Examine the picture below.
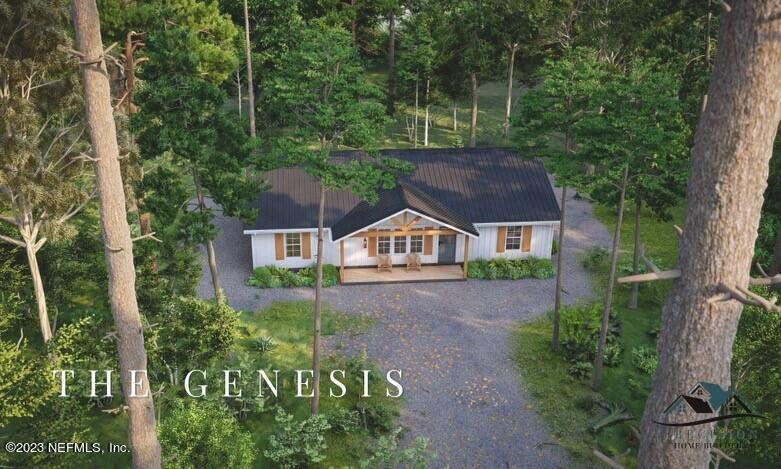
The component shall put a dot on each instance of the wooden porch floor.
(428, 273)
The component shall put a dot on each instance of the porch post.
(466, 255)
(341, 260)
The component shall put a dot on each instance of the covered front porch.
(400, 274)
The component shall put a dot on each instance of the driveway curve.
(450, 340)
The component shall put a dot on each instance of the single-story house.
(459, 204)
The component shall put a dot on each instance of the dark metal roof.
(393, 201)
(483, 185)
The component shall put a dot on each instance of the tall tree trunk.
(210, 254)
(599, 361)
(250, 85)
(391, 63)
(144, 447)
(425, 126)
(354, 23)
(776, 265)
(40, 294)
(730, 163)
(318, 306)
(473, 117)
(455, 116)
(238, 89)
(415, 121)
(708, 22)
(509, 101)
(559, 270)
(636, 255)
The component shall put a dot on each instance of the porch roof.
(394, 201)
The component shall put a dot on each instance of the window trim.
(396, 239)
(508, 238)
(381, 240)
(291, 245)
(411, 241)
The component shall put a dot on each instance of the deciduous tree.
(322, 93)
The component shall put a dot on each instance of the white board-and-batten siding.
(483, 247)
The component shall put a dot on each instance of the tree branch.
(651, 276)
(147, 236)
(13, 241)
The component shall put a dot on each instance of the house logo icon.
(705, 403)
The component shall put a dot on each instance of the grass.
(564, 402)
(289, 324)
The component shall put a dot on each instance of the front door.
(447, 249)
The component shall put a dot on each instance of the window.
(416, 243)
(514, 237)
(399, 245)
(383, 244)
(293, 245)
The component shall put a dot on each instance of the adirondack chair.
(384, 263)
(413, 262)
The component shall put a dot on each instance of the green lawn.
(565, 403)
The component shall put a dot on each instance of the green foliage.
(297, 443)
(581, 370)
(271, 276)
(388, 454)
(27, 383)
(81, 345)
(596, 259)
(182, 119)
(62, 421)
(214, 34)
(580, 324)
(645, 359)
(756, 373)
(200, 434)
(192, 332)
(511, 269)
(265, 344)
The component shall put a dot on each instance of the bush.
(298, 443)
(200, 434)
(194, 332)
(581, 370)
(580, 325)
(270, 276)
(644, 358)
(511, 269)
(596, 259)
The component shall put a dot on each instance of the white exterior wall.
(483, 247)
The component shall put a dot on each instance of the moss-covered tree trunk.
(730, 163)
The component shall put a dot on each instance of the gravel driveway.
(450, 339)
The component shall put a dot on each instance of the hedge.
(269, 276)
(500, 268)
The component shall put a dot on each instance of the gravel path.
(451, 341)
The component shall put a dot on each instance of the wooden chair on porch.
(413, 262)
(384, 263)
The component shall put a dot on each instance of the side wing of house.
(513, 240)
(292, 249)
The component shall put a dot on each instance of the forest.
(129, 128)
